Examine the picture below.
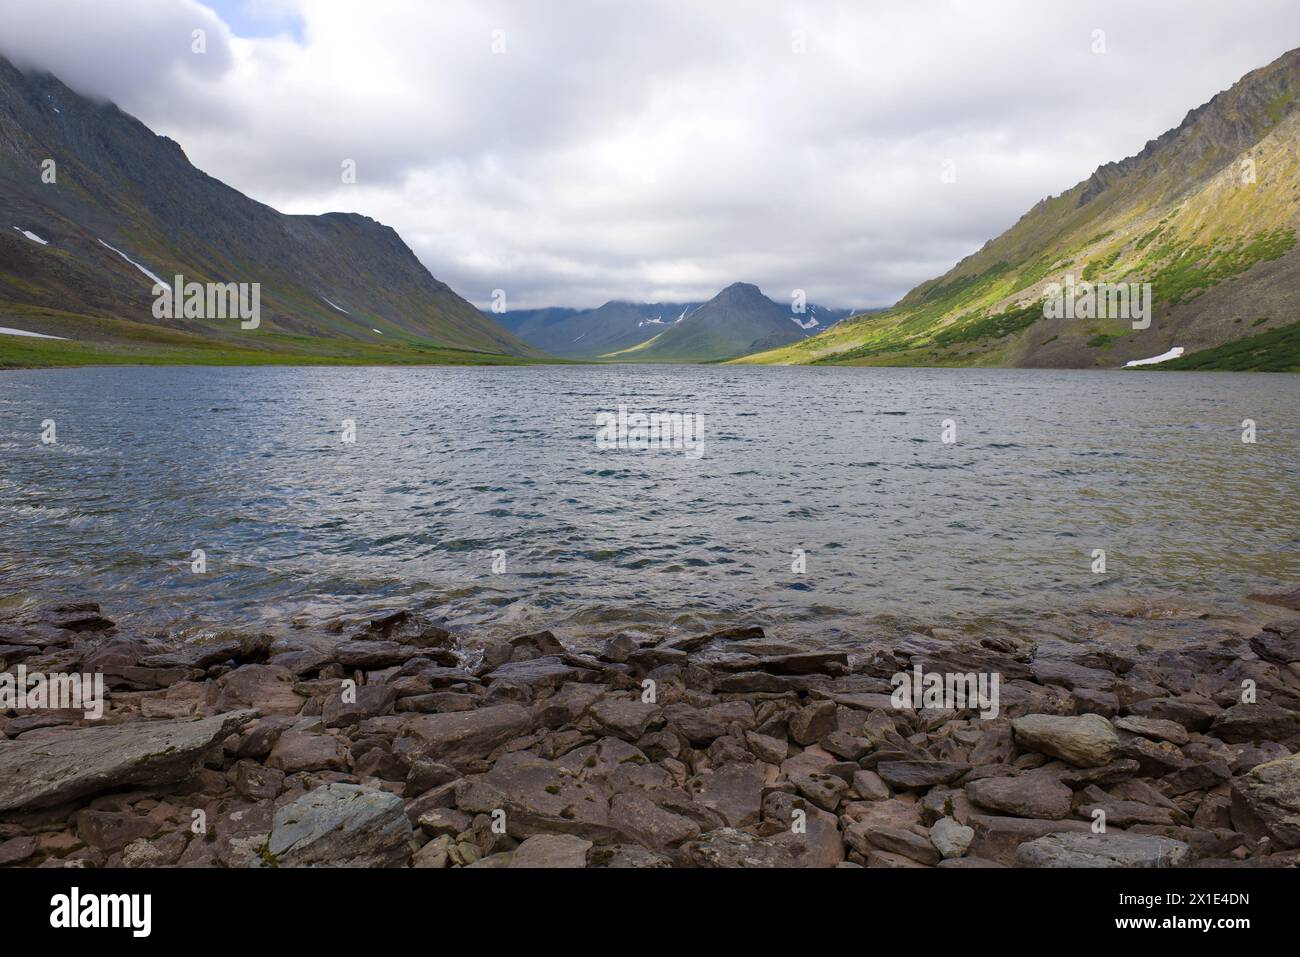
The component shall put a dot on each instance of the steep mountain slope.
(1206, 214)
(737, 321)
(77, 254)
(590, 333)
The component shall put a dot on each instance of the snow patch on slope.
(32, 236)
(1173, 353)
(132, 262)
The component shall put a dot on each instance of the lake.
(825, 498)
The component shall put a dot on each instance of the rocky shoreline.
(396, 744)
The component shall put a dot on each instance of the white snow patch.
(23, 332)
(33, 237)
(1173, 353)
(373, 329)
(340, 309)
(132, 262)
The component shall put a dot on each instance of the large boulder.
(341, 825)
(551, 850)
(74, 764)
(458, 738)
(1266, 801)
(1086, 741)
(1026, 795)
(1114, 849)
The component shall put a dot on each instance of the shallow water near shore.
(452, 465)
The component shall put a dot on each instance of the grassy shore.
(93, 342)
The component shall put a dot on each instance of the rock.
(752, 682)
(267, 688)
(1277, 645)
(78, 763)
(766, 748)
(551, 850)
(1113, 849)
(436, 854)
(727, 847)
(341, 825)
(1255, 722)
(112, 831)
(1026, 795)
(807, 663)
(734, 791)
(618, 648)
(16, 850)
(373, 655)
(461, 737)
(540, 674)
(1287, 599)
(1154, 728)
(1125, 813)
(919, 774)
(645, 822)
(951, 839)
(625, 856)
(997, 838)
(1153, 757)
(1119, 770)
(536, 645)
(1266, 801)
(297, 751)
(624, 718)
(824, 790)
(810, 724)
(370, 700)
(1193, 712)
(870, 786)
(1070, 675)
(539, 797)
(865, 837)
(1087, 741)
(257, 782)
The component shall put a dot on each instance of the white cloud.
(662, 149)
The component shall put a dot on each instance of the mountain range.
(94, 207)
(737, 321)
(1206, 214)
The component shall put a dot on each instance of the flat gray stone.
(462, 736)
(78, 763)
(342, 825)
(1085, 849)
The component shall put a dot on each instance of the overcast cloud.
(658, 149)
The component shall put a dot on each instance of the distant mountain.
(737, 321)
(1206, 214)
(591, 333)
(78, 256)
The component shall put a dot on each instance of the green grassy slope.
(1207, 214)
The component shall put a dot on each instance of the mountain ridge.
(123, 194)
(1206, 213)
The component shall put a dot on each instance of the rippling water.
(450, 465)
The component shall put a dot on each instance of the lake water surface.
(452, 465)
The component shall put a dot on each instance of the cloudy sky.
(575, 151)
